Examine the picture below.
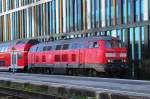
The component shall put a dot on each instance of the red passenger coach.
(15, 54)
(5, 55)
(90, 55)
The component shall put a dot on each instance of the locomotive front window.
(93, 45)
(113, 44)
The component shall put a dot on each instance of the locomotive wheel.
(69, 72)
(75, 72)
(94, 73)
(30, 70)
(48, 71)
(51, 71)
(89, 71)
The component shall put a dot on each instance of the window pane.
(65, 46)
(58, 47)
(49, 48)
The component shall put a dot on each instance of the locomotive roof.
(82, 39)
(76, 40)
(93, 38)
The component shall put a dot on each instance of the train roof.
(76, 40)
(18, 44)
(24, 41)
(95, 38)
(40, 46)
(10, 43)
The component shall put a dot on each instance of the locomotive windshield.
(113, 44)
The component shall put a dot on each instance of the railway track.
(98, 84)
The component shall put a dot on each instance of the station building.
(129, 20)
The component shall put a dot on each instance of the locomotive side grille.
(73, 57)
(64, 58)
(43, 58)
(57, 58)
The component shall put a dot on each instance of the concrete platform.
(69, 87)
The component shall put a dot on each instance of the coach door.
(14, 60)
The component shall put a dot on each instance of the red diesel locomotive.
(90, 55)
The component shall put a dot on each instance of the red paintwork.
(5, 57)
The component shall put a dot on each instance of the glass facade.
(35, 18)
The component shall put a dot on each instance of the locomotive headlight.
(124, 61)
(110, 61)
(123, 54)
(110, 54)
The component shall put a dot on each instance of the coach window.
(93, 45)
(3, 48)
(65, 46)
(6, 49)
(19, 55)
(33, 49)
(40, 49)
(36, 49)
(58, 47)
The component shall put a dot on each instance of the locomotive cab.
(115, 56)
